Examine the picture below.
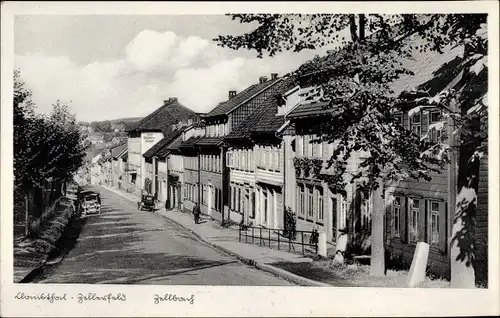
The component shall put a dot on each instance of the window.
(301, 198)
(310, 146)
(202, 194)
(415, 209)
(300, 146)
(434, 223)
(310, 203)
(239, 199)
(265, 205)
(396, 214)
(435, 116)
(215, 201)
(321, 213)
(398, 118)
(252, 204)
(314, 149)
(434, 134)
(416, 124)
(366, 211)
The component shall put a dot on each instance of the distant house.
(118, 127)
(152, 159)
(226, 116)
(255, 163)
(145, 133)
(118, 164)
(190, 161)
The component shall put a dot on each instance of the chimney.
(274, 76)
(190, 122)
(174, 126)
(262, 79)
(170, 100)
(232, 94)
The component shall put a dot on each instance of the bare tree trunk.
(377, 262)
(26, 215)
(362, 23)
(463, 180)
(352, 27)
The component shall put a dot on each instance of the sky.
(115, 66)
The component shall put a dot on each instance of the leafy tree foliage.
(46, 147)
(356, 81)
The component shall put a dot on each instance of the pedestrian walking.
(196, 213)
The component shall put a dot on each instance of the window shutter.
(403, 224)
(443, 217)
(422, 222)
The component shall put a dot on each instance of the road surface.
(127, 246)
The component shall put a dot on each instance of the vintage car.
(90, 203)
(147, 203)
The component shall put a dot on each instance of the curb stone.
(264, 267)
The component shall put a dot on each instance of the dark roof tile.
(118, 150)
(163, 143)
(209, 141)
(225, 107)
(164, 117)
(190, 143)
(264, 118)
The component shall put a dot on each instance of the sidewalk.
(226, 240)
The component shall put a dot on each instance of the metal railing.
(278, 238)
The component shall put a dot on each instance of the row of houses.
(242, 161)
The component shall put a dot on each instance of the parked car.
(147, 203)
(90, 203)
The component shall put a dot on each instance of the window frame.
(321, 205)
(310, 202)
(414, 220)
(414, 124)
(396, 221)
(437, 214)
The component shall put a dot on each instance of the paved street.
(124, 245)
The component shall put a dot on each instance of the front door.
(334, 219)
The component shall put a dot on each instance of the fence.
(32, 208)
(279, 238)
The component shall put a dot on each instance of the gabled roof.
(163, 143)
(189, 143)
(164, 117)
(210, 141)
(264, 118)
(226, 107)
(429, 74)
(118, 150)
(174, 145)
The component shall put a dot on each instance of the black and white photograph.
(316, 149)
